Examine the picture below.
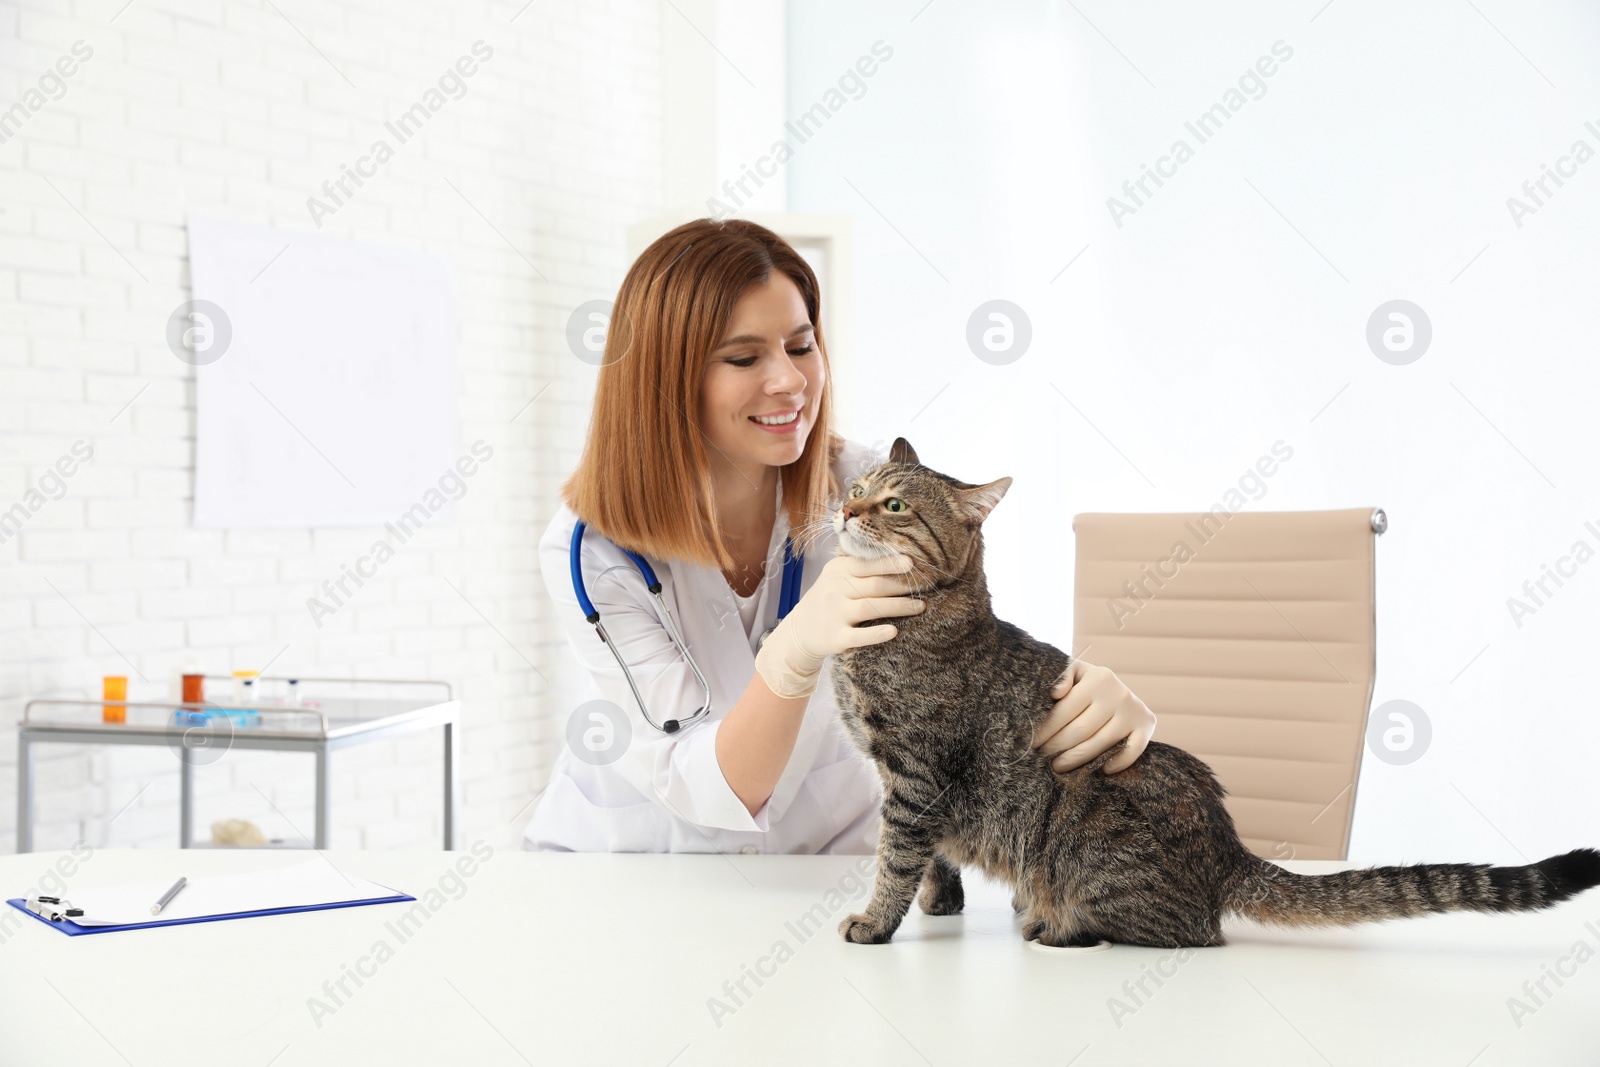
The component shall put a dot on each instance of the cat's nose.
(846, 512)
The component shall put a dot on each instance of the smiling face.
(763, 382)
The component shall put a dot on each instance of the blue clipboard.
(72, 929)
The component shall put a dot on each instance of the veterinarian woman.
(714, 341)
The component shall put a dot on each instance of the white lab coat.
(666, 793)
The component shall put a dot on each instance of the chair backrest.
(1252, 637)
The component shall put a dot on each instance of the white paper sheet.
(314, 881)
(334, 401)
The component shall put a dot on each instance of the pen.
(166, 899)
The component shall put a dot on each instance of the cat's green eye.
(857, 491)
(894, 503)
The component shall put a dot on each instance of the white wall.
(1230, 311)
(224, 108)
(723, 88)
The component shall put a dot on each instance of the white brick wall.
(222, 107)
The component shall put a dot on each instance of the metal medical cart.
(369, 713)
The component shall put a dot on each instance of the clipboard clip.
(56, 909)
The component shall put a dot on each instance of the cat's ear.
(980, 500)
(902, 452)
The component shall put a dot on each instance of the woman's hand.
(849, 590)
(1093, 711)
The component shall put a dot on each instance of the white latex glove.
(849, 590)
(1093, 711)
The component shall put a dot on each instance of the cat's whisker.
(815, 525)
(808, 534)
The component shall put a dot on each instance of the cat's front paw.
(859, 930)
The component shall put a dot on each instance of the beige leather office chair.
(1251, 637)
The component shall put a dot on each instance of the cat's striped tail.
(1267, 893)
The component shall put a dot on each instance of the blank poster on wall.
(325, 377)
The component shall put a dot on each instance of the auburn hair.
(644, 480)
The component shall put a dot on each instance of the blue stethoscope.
(789, 595)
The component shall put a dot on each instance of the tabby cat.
(1146, 856)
